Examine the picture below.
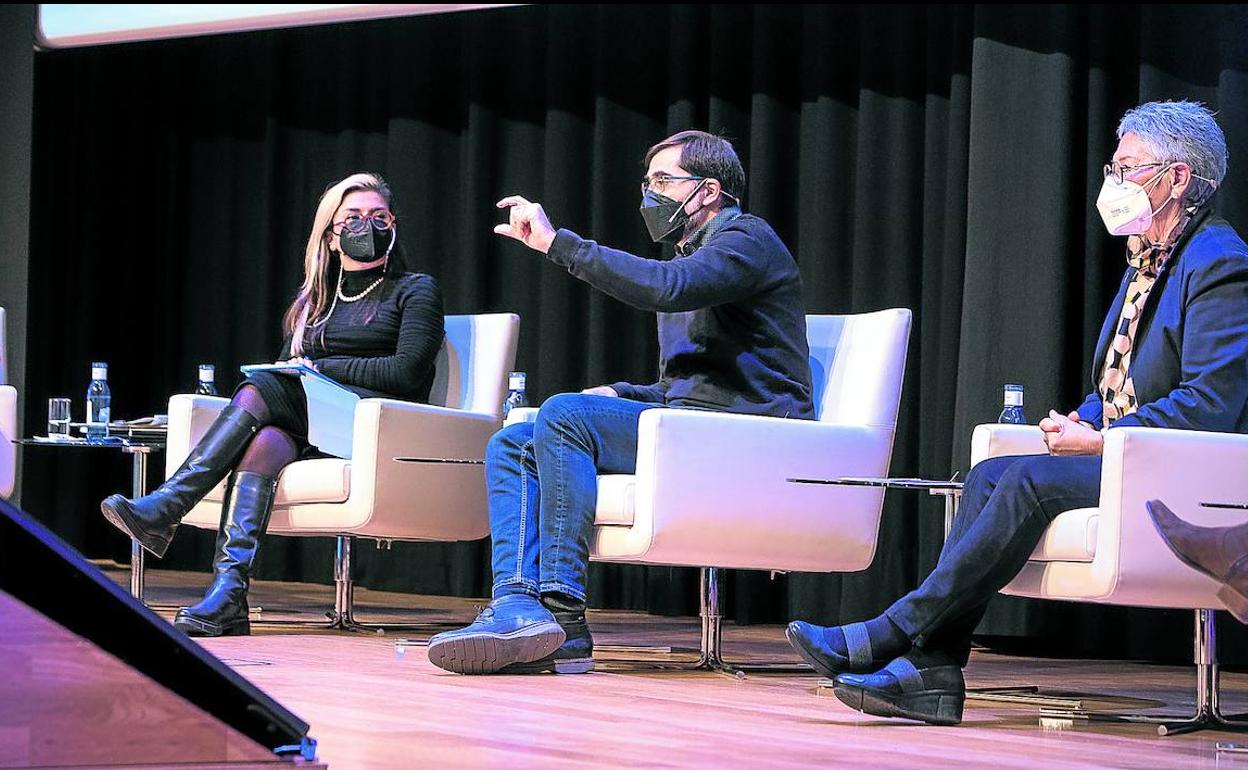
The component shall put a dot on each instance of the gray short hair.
(1183, 132)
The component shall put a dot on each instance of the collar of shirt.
(1149, 258)
(717, 222)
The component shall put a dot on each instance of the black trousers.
(1006, 505)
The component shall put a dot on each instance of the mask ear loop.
(394, 234)
(1153, 213)
(685, 202)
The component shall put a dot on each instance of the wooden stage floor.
(371, 706)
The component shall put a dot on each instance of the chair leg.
(1208, 715)
(710, 650)
(342, 616)
(339, 618)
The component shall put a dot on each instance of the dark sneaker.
(512, 629)
(924, 686)
(574, 656)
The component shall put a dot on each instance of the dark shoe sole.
(566, 666)
(193, 626)
(487, 653)
(798, 643)
(935, 707)
(117, 510)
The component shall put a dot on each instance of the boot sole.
(488, 653)
(193, 626)
(1236, 603)
(120, 518)
(566, 666)
(935, 707)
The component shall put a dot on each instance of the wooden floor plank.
(371, 707)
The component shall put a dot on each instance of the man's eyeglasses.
(356, 224)
(1119, 171)
(661, 182)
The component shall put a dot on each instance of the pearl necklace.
(362, 294)
(338, 295)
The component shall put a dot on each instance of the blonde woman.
(358, 318)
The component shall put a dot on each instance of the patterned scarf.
(1116, 386)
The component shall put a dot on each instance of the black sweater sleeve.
(651, 394)
(731, 267)
(421, 330)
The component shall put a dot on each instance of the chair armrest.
(996, 440)
(1183, 469)
(716, 484)
(521, 414)
(8, 434)
(440, 501)
(190, 416)
(387, 428)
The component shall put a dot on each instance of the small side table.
(152, 440)
(950, 490)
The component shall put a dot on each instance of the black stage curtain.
(944, 159)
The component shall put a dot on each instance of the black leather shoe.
(925, 686)
(812, 644)
(244, 517)
(153, 518)
(515, 628)
(574, 656)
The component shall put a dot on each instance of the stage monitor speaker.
(88, 674)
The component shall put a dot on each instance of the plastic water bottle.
(1013, 411)
(207, 380)
(99, 402)
(516, 395)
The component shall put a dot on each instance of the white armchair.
(1112, 554)
(8, 422)
(416, 471)
(710, 488)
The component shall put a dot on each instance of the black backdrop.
(944, 159)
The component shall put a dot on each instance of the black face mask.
(665, 218)
(368, 246)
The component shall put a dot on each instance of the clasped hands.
(1065, 435)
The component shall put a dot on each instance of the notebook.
(331, 407)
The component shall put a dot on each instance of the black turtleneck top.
(385, 342)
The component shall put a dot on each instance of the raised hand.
(527, 223)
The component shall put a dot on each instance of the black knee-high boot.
(153, 518)
(244, 517)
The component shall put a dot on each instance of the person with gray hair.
(1173, 353)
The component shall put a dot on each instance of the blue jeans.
(1006, 505)
(542, 479)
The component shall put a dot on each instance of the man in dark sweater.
(732, 337)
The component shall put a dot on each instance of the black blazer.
(1190, 354)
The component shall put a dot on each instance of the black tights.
(272, 448)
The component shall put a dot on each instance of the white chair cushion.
(1070, 537)
(617, 496)
(324, 480)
